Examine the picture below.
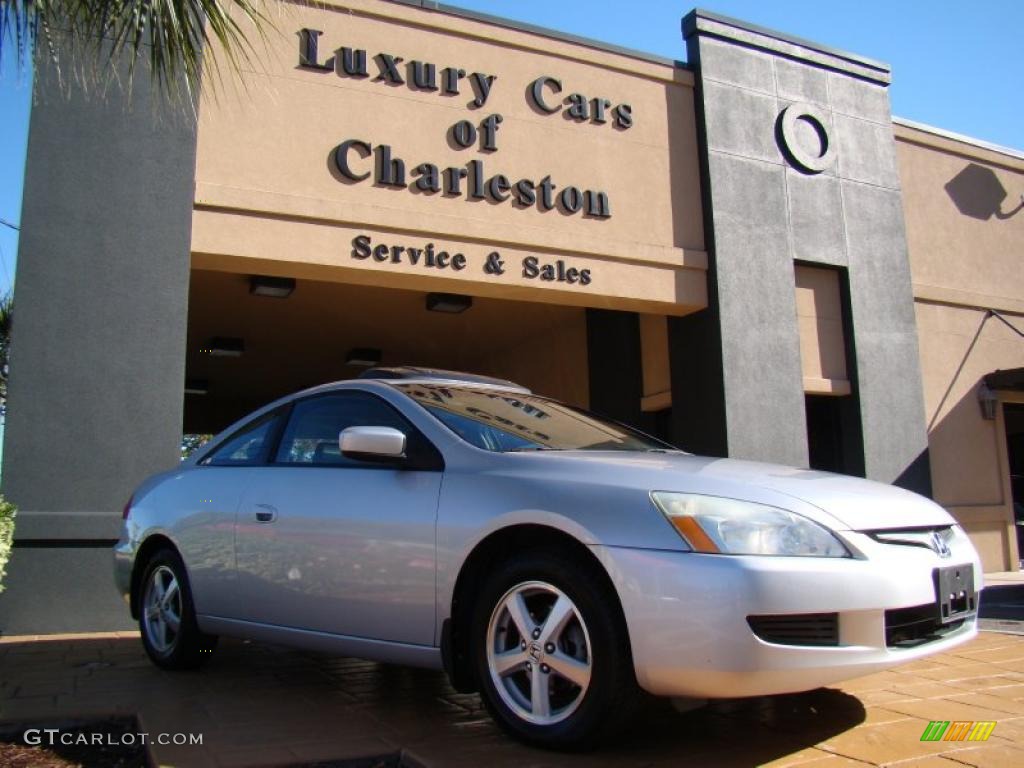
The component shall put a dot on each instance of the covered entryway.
(254, 338)
(246, 348)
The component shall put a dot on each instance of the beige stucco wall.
(965, 231)
(655, 363)
(556, 368)
(267, 198)
(819, 314)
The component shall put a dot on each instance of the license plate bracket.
(956, 597)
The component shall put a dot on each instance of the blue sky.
(956, 65)
(15, 96)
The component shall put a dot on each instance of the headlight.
(730, 527)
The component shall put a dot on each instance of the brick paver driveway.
(263, 705)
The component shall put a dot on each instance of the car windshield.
(503, 421)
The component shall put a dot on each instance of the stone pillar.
(98, 353)
(800, 165)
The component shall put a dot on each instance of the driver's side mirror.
(372, 443)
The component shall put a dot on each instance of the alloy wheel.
(539, 653)
(162, 606)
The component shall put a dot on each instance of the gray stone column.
(98, 353)
(800, 165)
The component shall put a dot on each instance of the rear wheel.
(167, 618)
(552, 653)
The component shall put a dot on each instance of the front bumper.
(687, 615)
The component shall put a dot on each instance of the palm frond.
(168, 36)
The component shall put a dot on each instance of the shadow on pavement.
(1005, 601)
(739, 731)
(261, 704)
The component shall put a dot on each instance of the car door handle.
(266, 513)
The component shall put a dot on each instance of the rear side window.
(311, 436)
(248, 446)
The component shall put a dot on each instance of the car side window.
(247, 447)
(311, 436)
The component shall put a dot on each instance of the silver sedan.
(556, 562)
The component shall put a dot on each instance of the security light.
(988, 401)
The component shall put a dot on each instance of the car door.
(206, 498)
(337, 545)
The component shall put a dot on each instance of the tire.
(569, 682)
(167, 618)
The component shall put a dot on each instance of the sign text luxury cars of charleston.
(358, 159)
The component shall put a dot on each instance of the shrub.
(7, 513)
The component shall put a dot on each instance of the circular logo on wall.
(804, 138)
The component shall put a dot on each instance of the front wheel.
(167, 618)
(552, 653)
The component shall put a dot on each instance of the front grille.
(908, 627)
(820, 629)
(935, 538)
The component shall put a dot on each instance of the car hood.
(839, 501)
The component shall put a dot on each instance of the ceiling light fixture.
(225, 346)
(276, 287)
(197, 386)
(451, 303)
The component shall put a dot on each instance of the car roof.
(389, 376)
(408, 374)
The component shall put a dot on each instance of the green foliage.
(191, 443)
(169, 35)
(7, 513)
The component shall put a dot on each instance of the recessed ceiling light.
(225, 346)
(276, 287)
(452, 303)
(196, 386)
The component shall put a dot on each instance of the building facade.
(744, 254)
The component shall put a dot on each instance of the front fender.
(474, 506)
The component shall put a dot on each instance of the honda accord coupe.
(559, 563)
